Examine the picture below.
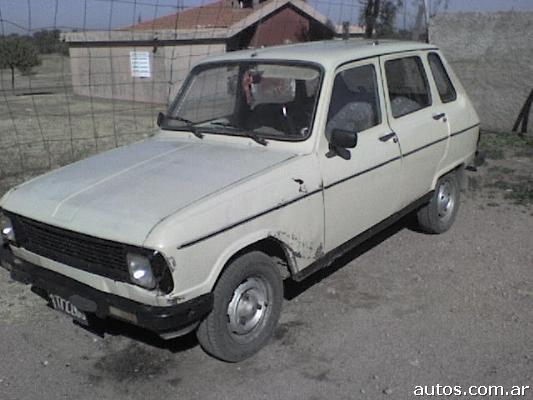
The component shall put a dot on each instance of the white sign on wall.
(140, 64)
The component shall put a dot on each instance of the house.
(148, 61)
(350, 30)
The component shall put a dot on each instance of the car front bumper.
(170, 321)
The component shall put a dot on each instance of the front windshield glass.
(275, 101)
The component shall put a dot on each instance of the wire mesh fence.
(81, 76)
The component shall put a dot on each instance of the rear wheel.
(439, 214)
(247, 304)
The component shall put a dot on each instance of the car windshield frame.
(229, 131)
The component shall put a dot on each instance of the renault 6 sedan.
(268, 165)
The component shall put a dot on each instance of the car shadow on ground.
(292, 288)
(113, 327)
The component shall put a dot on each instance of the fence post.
(523, 117)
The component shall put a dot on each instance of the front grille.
(84, 252)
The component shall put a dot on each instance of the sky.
(26, 16)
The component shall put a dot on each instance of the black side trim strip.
(464, 130)
(362, 172)
(425, 146)
(209, 235)
(440, 140)
(332, 255)
(197, 240)
(226, 228)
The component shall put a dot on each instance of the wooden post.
(523, 117)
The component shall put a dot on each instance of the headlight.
(6, 228)
(141, 270)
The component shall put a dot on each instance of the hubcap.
(445, 201)
(248, 306)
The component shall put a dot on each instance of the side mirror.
(160, 119)
(340, 141)
(343, 138)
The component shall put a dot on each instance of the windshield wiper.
(251, 134)
(190, 125)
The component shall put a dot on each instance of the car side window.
(444, 84)
(354, 102)
(408, 85)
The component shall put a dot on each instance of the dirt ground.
(403, 310)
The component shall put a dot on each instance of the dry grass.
(508, 172)
(43, 125)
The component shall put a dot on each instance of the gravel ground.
(403, 310)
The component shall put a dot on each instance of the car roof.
(328, 53)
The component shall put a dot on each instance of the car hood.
(122, 194)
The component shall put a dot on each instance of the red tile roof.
(220, 14)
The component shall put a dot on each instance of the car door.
(421, 127)
(360, 191)
(453, 102)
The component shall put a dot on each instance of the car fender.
(242, 243)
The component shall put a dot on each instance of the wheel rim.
(445, 201)
(248, 306)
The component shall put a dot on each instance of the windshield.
(265, 100)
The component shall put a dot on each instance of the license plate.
(65, 306)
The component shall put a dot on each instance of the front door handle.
(389, 136)
(436, 117)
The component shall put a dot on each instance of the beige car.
(269, 165)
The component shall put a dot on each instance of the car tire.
(439, 214)
(247, 304)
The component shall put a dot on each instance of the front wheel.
(439, 214)
(247, 305)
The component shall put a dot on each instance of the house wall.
(105, 72)
(284, 26)
(492, 54)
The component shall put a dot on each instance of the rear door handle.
(389, 136)
(436, 117)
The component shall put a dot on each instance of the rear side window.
(442, 79)
(354, 102)
(408, 85)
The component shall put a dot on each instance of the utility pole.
(405, 15)
(426, 9)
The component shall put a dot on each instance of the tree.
(378, 16)
(48, 42)
(386, 18)
(17, 52)
(369, 15)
